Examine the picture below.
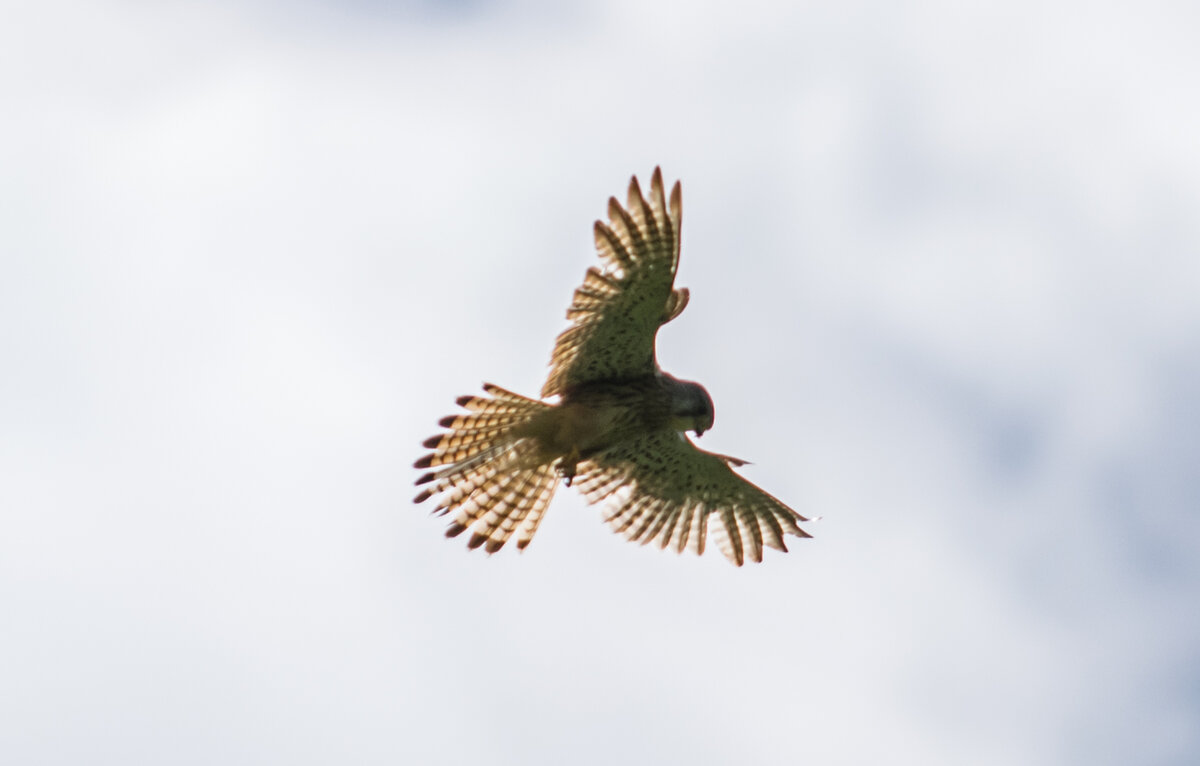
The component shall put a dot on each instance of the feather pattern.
(491, 478)
(618, 309)
(661, 488)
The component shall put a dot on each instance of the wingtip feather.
(635, 192)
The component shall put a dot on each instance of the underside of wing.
(618, 309)
(662, 488)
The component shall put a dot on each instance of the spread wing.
(665, 489)
(618, 309)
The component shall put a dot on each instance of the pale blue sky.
(944, 264)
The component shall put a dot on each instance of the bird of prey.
(617, 429)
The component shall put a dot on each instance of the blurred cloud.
(943, 267)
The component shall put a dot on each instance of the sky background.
(944, 261)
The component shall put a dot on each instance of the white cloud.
(943, 278)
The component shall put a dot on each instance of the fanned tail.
(488, 477)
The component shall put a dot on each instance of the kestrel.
(618, 428)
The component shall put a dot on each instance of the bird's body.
(618, 427)
(594, 417)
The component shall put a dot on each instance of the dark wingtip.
(463, 400)
(425, 479)
(493, 545)
(423, 496)
(424, 462)
(455, 529)
(431, 443)
(447, 421)
(476, 541)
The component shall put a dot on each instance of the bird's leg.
(567, 465)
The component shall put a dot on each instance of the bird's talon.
(568, 465)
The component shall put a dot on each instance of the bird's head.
(691, 406)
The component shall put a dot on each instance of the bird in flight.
(617, 431)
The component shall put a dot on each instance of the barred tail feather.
(488, 478)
